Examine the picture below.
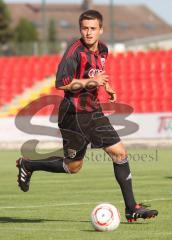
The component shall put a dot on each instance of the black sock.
(52, 164)
(123, 176)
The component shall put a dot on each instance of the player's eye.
(84, 28)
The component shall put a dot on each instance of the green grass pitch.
(58, 206)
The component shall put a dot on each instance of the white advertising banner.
(141, 126)
(152, 125)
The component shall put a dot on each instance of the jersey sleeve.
(66, 69)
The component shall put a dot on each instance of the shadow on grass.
(32, 220)
(126, 223)
(19, 220)
(134, 223)
(36, 220)
(168, 177)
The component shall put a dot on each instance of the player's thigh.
(117, 152)
(74, 142)
(74, 145)
(103, 134)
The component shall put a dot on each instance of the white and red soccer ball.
(105, 217)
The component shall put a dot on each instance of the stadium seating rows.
(19, 73)
(142, 80)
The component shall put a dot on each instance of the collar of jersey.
(86, 47)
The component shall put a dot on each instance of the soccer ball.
(105, 217)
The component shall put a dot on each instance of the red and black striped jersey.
(79, 62)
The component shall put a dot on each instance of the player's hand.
(101, 78)
(111, 93)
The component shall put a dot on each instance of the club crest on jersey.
(103, 60)
(93, 72)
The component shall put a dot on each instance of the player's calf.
(75, 166)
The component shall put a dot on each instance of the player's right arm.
(76, 84)
(67, 72)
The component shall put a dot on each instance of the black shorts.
(80, 129)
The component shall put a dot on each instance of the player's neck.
(94, 47)
(91, 47)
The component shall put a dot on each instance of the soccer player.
(81, 120)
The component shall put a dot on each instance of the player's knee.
(75, 166)
(117, 152)
(119, 156)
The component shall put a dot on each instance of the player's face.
(90, 31)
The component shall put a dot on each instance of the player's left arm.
(107, 87)
(111, 92)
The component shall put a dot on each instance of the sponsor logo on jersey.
(93, 72)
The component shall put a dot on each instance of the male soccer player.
(81, 120)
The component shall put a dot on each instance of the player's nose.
(89, 32)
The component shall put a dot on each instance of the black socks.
(121, 170)
(52, 164)
(123, 176)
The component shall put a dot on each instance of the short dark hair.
(91, 14)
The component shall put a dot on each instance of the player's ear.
(101, 30)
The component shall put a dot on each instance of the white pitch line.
(37, 229)
(157, 199)
(74, 204)
(47, 205)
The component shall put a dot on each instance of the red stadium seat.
(19, 73)
(142, 79)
